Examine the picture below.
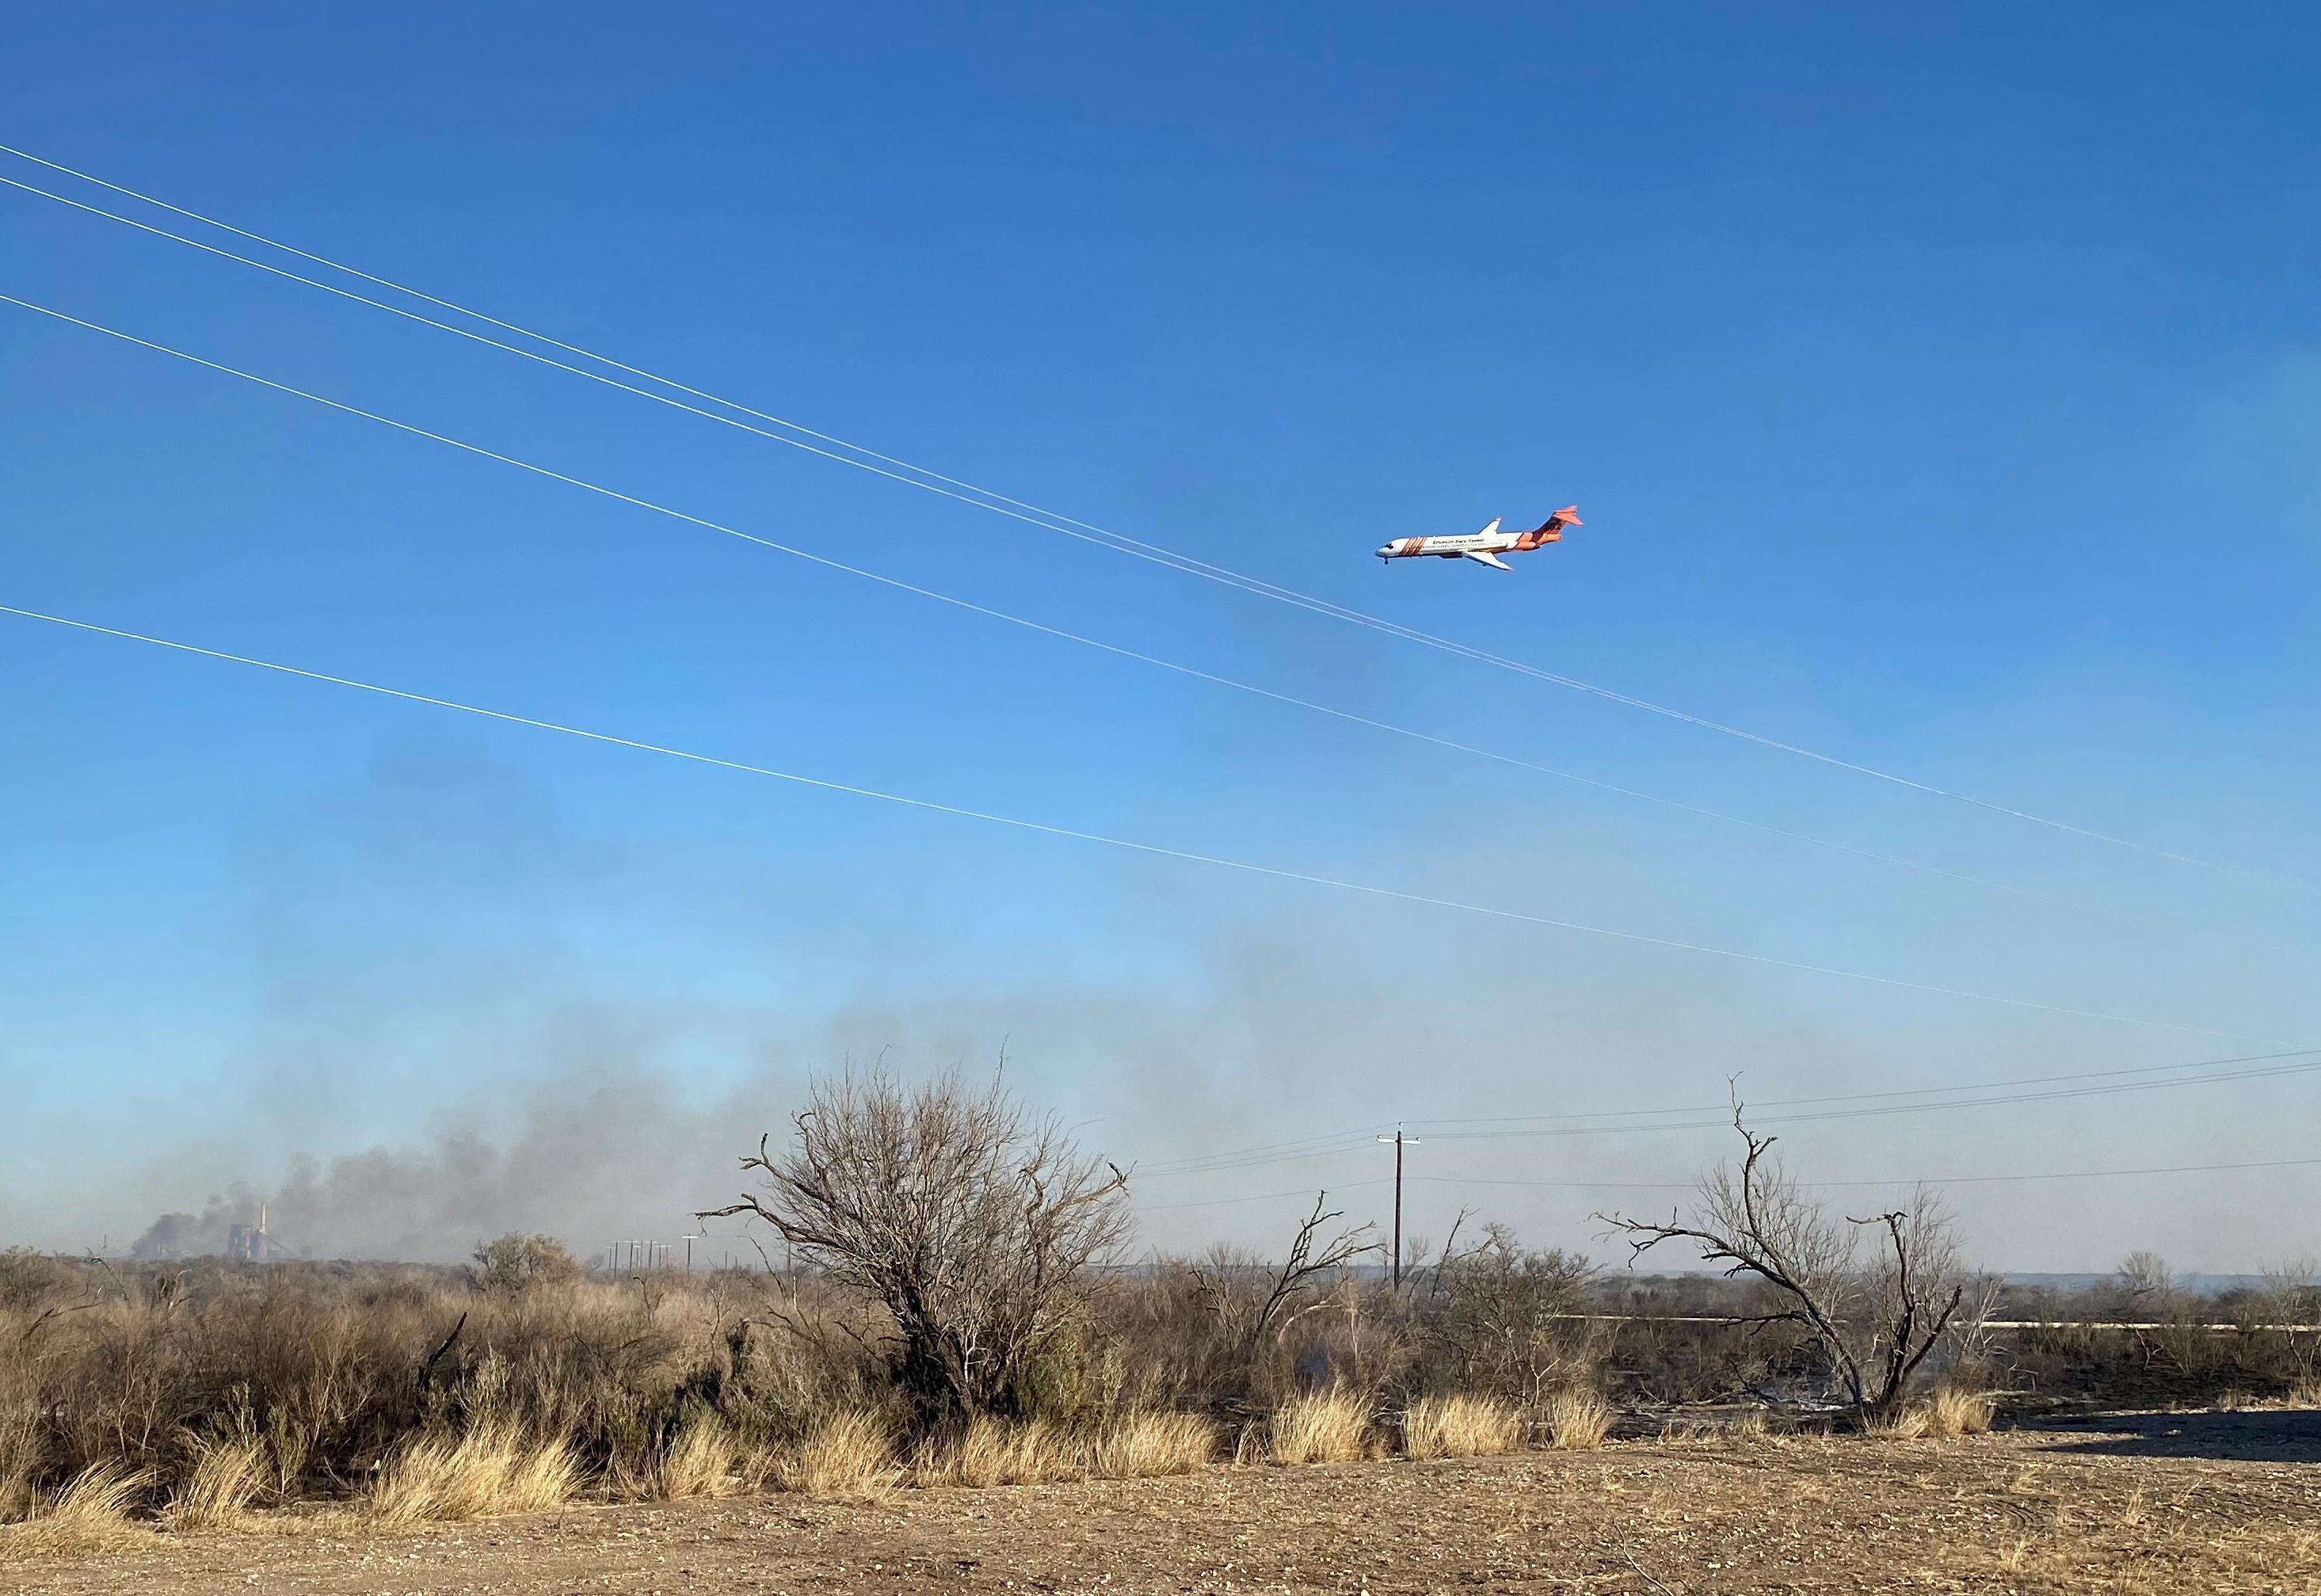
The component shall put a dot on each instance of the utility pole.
(1396, 1139)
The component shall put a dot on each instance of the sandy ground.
(2158, 1503)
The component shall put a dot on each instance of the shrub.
(972, 1223)
(1508, 1319)
(517, 1262)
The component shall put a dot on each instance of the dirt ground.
(2140, 1503)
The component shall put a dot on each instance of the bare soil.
(2142, 1504)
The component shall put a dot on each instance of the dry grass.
(493, 1469)
(1330, 1426)
(1130, 1446)
(1460, 1426)
(217, 1491)
(2302, 1393)
(2131, 1551)
(1944, 1416)
(847, 1454)
(315, 1362)
(1578, 1420)
(987, 1453)
(670, 1387)
(701, 1459)
(90, 1514)
(1951, 1412)
(1908, 1424)
(20, 1449)
(1140, 1446)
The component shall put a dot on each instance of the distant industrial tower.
(249, 1241)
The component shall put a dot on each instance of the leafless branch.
(1874, 1320)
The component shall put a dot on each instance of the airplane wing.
(1492, 560)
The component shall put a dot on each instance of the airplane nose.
(1385, 550)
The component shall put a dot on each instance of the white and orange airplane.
(1487, 545)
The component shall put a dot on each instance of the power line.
(1775, 1103)
(1062, 633)
(1895, 860)
(1074, 834)
(1169, 1166)
(614, 494)
(1055, 522)
(1346, 1140)
(1263, 1196)
(1890, 1108)
(1950, 1180)
(1616, 1185)
(1260, 1156)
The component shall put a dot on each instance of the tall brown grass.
(1330, 1426)
(1460, 1425)
(492, 1470)
(221, 1485)
(90, 1513)
(1577, 1419)
(1944, 1414)
(701, 1458)
(319, 1371)
(1138, 1445)
(847, 1454)
(1950, 1412)
(987, 1452)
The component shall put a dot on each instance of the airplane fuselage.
(1452, 547)
(1486, 545)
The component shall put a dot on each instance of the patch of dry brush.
(91, 1512)
(1459, 1426)
(491, 1471)
(1332, 1426)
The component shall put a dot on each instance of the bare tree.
(972, 1222)
(1226, 1281)
(1873, 1319)
(2145, 1285)
(2288, 1307)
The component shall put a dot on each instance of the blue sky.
(1943, 392)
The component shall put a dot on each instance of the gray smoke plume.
(453, 1045)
